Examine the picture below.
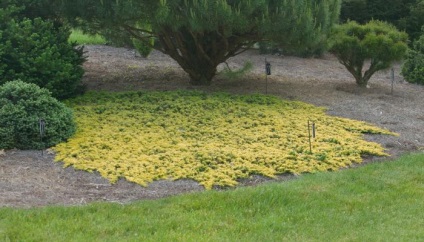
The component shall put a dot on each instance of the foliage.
(381, 201)
(116, 38)
(317, 50)
(354, 10)
(377, 42)
(201, 34)
(22, 105)
(415, 20)
(407, 15)
(413, 67)
(363, 11)
(32, 9)
(214, 139)
(34, 51)
(144, 48)
(305, 35)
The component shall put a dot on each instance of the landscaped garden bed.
(29, 178)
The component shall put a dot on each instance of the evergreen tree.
(36, 51)
(201, 34)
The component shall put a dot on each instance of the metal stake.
(267, 73)
(309, 135)
(42, 126)
(393, 79)
(311, 125)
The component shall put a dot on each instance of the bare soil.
(31, 179)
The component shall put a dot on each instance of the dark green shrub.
(413, 67)
(22, 105)
(36, 51)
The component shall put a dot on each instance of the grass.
(377, 202)
(80, 38)
(213, 138)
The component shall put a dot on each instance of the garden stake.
(309, 135)
(311, 124)
(392, 72)
(267, 73)
(266, 84)
(42, 126)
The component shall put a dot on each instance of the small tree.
(377, 42)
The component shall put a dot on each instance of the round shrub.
(37, 51)
(22, 105)
(413, 67)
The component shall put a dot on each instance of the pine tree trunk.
(356, 71)
(362, 81)
(199, 53)
(201, 76)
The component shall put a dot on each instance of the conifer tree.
(376, 42)
(201, 34)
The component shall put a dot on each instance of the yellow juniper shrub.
(214, 139)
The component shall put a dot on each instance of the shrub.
(22, 105)
(378, 42)
(142, 48)
(36, 51)
(413, 68)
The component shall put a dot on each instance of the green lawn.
(377, 202)
(85, 39)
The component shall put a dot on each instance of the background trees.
(201, 34)
(413, 68)
(407, 15)
(380, 43)
(31, 9)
